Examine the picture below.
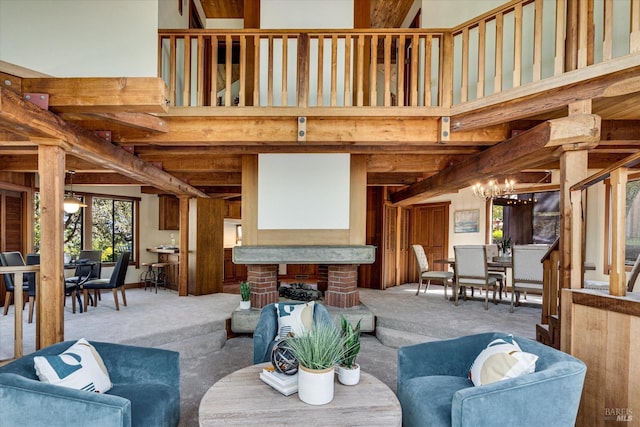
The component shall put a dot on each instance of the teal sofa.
(433, 388)
(146, 391)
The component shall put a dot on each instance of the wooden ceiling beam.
(146, 122)
(28, 162)
(101, 94)
(85, 145)
(524, 151)
(108, 178)
(326, 131)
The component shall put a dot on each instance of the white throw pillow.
(502, 359)
(79, 367)
(294, 319)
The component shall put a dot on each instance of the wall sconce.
(71, 204)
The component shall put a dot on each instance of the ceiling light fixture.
(493, 189)
(71, 204)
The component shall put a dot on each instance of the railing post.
(446, 70)
(302, 88)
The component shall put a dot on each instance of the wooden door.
(430, 228)
(389, 237)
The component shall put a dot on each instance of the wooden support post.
(617, 276)
(50, 315)
(573, 168)
(183, 280)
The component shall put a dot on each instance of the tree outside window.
(112, 227)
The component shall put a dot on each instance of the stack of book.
(285, 384)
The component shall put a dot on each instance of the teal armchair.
(433, 388)
(146, 391)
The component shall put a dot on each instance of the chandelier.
(493, 189)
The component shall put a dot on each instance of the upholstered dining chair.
(15, 259)
(88, 267)
(472, 271)
(527, 272)
(604, 286)
(115, 282)
(492, 251)
(424, 273)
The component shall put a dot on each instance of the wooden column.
(617, 276)
(573, 168)
(183, 280)
(50, 315)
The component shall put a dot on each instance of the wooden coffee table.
(242, 399)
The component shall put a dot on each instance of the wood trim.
(249, 204)
(296, 237)
(358, 200)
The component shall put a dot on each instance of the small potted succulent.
(349, 370)
(245, 294)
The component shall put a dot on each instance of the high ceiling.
(384, 13)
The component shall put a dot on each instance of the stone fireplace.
(341, 269)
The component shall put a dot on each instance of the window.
(107, 225)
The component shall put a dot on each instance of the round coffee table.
(242, 399)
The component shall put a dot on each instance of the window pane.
(72, 229)
(112, 231)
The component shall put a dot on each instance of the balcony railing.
(520, 42)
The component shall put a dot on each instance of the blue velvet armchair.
(146, 391)
(434, 390)
(267, 328)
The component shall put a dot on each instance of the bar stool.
(148, 276)
(161, 276)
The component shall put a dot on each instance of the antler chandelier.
(493, 189)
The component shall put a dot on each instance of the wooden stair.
(549, 334)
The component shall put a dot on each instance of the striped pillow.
(79, 367)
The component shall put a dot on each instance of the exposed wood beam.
(80, 143)
(29, 163)
(142, 121)
(102, 94)
(524, 151)
(102, 179)
(331, 131)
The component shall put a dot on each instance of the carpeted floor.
(195, 326)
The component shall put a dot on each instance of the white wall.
(450, 13)
(169, 16)
(284, 14)
(72, 38)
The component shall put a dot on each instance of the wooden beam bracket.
(40, 99)
(302, 130)
(444, 130)
(104, 135)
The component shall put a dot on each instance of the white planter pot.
(315, 387)
(245, 305)
(348, 376)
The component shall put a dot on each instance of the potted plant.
(245, 294)
(349, 370)
(317, 351)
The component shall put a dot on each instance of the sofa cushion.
(79, 367)
(501, 359)
(430, 399)
(294, 318)
(151, 404)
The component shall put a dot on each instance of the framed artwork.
(466, 221)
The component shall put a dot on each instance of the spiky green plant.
(245, 291)
(350, 344)
(318, 349)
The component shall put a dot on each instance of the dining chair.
(472, 271)
(425, 274)
(604, 286)
(88, 266)
(15, 259)
(115, 282)
(527, 272)
(492, 251)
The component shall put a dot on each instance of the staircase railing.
(520, 42)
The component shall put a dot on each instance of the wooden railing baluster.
(373, 72)
(228, 63)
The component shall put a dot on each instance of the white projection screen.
(303, 191)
